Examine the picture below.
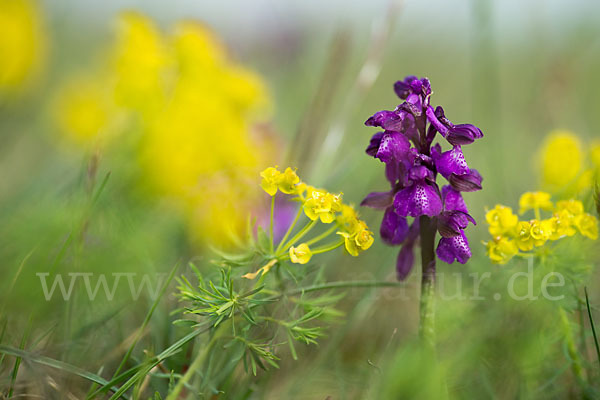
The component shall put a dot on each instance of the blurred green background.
(518, 70)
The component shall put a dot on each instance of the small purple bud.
(426, 87)
(378, 200)
(451, 223)
(402, 88)
(463, 134)
(380, 117)
(470, 182)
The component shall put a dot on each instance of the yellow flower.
(573, 207)
(287, 181)
(501, 250)
(363, 237)
(323, 205)
(562, 159)
(358, 240)
(587, 225)
(22, 44)
(348, 219)
(541, 231)
(523, 239)
(562, 225)
(501, 220)
(270, 180)
(300, 254)
(535, 201)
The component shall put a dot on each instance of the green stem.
(174, 395)
(343, 285)
(299, 235)
(322, 235)
(572, 348)
(427, 302)
(589, 310)
(271, 221)
(328, 247)
(289, 231)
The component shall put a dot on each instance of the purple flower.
(463, 134)
(452, 223)
(449, 162)
(380, 118)
(394, 146)
(421, 198)
(412, 164)
(435, 122)
(374, 144)
(403, 88)
(378, 200)
(470, 182)
(394, 227)
(453, 199)
(454, 248)
(406, 257)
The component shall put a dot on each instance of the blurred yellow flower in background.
(83, 109)
(198, 114)
(139, 61)
(22, 44)
(565, 166)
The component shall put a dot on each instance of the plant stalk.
(427, 303)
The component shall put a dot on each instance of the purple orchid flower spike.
(413, 160)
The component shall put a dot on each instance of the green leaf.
(146, 320)
(587, 302)
(49, 362)
(264, 243)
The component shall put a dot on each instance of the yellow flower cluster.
(22, 44)
(511, 236)
(273, 180)
(318, 205)
(565, 167)
(189, 115)
(356, 233)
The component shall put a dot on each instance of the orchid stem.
(427, 303)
